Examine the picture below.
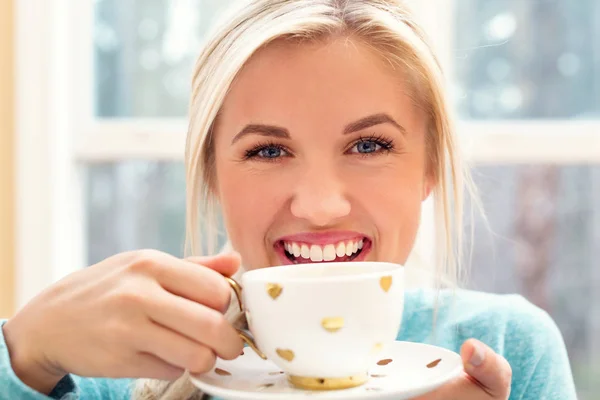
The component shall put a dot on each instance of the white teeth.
(349, 248)
(340, 250)
(304, 251)
(316, 253)
(296, 249)
(329, 253)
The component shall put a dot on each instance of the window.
(534, 66)
(527, 59)
(144, 53)
(101, 110)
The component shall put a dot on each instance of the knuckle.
(118, 331)
(214, 326)
(127, 299)
(201, 360)
(222, 295)
(233, 350)
(144, 262)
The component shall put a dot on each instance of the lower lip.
(279, 249)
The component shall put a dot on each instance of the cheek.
(393, 198)
(393, 201)
(247, 199)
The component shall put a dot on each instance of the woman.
(317, 127)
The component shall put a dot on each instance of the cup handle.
(245, 335)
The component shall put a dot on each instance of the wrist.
(32, 371)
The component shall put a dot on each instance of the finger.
(461, 387)
(176, 349)
(197, 322)
(194, 282)
(489, 369)
(226, 264)
(146, 365)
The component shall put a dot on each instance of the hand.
(138, 314)
(487, 376)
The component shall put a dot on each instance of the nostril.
(320, 210)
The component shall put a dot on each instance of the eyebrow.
(372, 120)
(263, 130)
(279, 132)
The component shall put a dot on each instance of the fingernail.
(478, 355)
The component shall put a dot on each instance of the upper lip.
(321, 238)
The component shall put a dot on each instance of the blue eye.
(270, 152)
(371, 145)
(367, 146)
(267, 152)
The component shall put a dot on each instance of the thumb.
(226, 264)
(489, 369)
(486, 374)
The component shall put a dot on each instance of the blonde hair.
(389, 29)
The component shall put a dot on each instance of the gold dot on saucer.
(222, 372)
(332, 324)
(319, 383)
(385, 361)
(266, 385)
(434, 364)
(276, 373)
(377, 348)
(286, 354)
(385, 283)
(274, 290)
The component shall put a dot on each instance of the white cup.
(323, 324)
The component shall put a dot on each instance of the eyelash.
(387, 145)
(253, 152)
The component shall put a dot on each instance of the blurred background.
(93, 101)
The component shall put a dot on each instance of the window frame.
(57, 133)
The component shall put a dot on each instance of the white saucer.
(410, 373)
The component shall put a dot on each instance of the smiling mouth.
(304, 253)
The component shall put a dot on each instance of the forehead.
(327, 82)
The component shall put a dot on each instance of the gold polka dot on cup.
(377, 348)
(286, 354)
(385, 283)
(385, 361)
(274, 290)
(332, 324)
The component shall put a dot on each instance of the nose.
(319, 198)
